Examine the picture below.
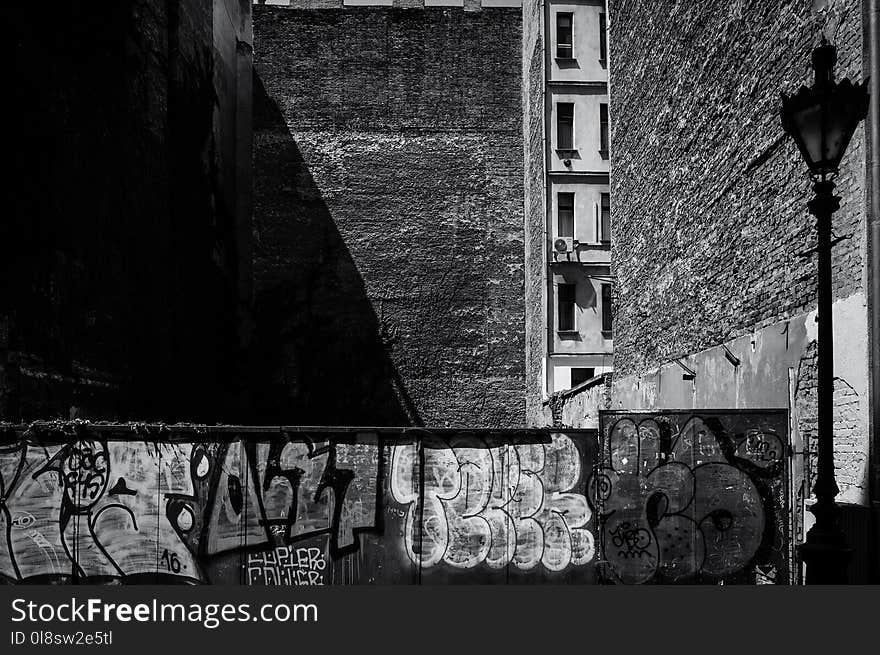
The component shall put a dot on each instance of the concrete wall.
(776, 370)
(122, 243)
(710, 218)
(389, 223)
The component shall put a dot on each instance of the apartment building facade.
(570, 327)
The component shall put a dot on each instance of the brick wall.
(709, 197)
(710, 220)
(850, 453)
(579, 406)
(388, 216)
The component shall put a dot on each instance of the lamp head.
(822, 119)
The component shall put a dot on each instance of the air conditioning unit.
(562, 245)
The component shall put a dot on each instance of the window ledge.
(607, 334)
(565, 59)
(567, 333)
(570, 151)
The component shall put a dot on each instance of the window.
(565, 214)
(581, 375)
(603, 38)
(606, 308)
(565, 307)
(603, 128)
(605, 218)
(563, 36)
(565, 125)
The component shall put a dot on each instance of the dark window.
(580, 375)
(603, 127)
(563, 36)
(606, 308)
(565, 307)
(605, 217)
(565, 214)
(603, 38)
(565, 125)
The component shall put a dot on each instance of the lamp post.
(821, 120)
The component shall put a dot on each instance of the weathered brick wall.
(708, 194)
(388, 215)
(535, 290)
(850, 454)
(579, 407)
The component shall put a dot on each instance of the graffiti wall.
(193, 505)
(692, 497)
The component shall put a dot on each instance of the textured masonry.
(712, 238)
(388, 216)
(709, 196)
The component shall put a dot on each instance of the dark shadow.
(568, 153)
(116, 305)
(321, 352)
(566, 63)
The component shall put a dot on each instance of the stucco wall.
(776, 370)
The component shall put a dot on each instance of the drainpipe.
(871, 67)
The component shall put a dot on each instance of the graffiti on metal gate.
(83, 504)
(511, 505)
(685, 497)
(286, 566)
(669, 497)
(99, 510)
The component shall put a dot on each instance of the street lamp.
(821, 120)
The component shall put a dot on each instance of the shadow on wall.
(321, 352)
